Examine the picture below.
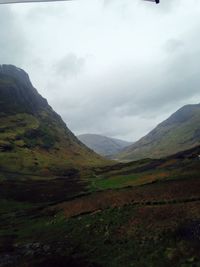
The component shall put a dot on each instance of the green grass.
(114, 182)
(146, 171)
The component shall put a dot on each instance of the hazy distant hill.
(179, 132)
(33, 137)
(103, 145)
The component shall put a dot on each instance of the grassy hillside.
(179, 132)
(183, 165)
(33, 138)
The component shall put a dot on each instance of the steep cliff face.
(179, 132)
(33, 137)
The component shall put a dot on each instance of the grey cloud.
(174, 84)
(13, 44)
(44, 11)
(173, 45)
(167, 6)
(144, 62)
(70, 65)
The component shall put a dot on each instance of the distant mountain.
(179, 132)
(33, 137)
(103, 145)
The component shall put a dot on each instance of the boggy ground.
(152, 224)
(160, 193)
(129, 236)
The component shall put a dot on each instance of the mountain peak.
(33, 137)
(17, 94)
(183, 114)
(15, 72)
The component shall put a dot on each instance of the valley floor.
(108, 222)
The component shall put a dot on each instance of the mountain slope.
(33, 137)
(179, 132)
(103, 145)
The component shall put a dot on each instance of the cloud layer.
(116, 68)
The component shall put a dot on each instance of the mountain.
(33, 137)
(179, 132)
(103, 145)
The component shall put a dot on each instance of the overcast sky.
(113, 67)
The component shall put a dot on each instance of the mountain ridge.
(179, 132)
(103, 145)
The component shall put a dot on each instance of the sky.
(111, 67)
